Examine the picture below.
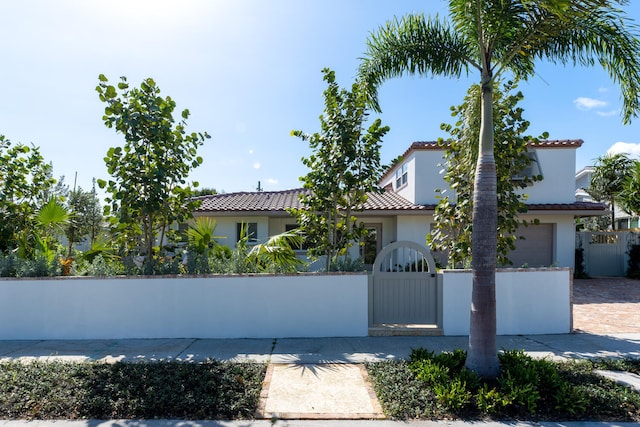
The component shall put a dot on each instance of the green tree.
(25, 180)
(204, 191)
(453, 215)
(344, 167)
(630, 195)
(610, 173)
(85, 218)
(494, 38)
(147, 186)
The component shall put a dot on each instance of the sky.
(249, 71)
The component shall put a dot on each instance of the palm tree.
(631, 190)
(608, 180)
(493, 38)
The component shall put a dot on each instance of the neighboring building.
(583, 182)
(624, 220)
(405, 210)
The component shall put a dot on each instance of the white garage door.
(537, 248)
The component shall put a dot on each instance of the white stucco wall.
(266, 306)
(558, 166)
(226, 228)
(426, 175)
(429, 177)
(527, 301)
(414, 228)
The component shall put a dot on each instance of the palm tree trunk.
(613, 214)
(482, 357)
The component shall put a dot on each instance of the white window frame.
(402, 176)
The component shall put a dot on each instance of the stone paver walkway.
(318, 391)
(606, 306)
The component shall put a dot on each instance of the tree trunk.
(613, 214)
(482, 357)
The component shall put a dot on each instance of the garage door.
(537, 248)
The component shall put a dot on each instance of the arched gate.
(406, 290)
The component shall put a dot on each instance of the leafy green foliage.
(201, 235)
(38, 266)
(580, 271)
(629, 196)
(276, 255)
(343, 168)
(438, 386)
(148, 174)
(25, 181)
(85, 217)
(608, 180)
(453, 227)
(170, 390)
(633, 266)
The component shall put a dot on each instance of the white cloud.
(584, 103)
(629, 148)
(603, 90)
(272, 181)
(608, 113)
(250, 151)
(257, 165)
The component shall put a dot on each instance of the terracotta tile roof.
(269, 201)
(575, 206)
(280, 201)
(552, 143)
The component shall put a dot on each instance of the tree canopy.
(343, 168)
(452, 228)
(148, 189)
(25, 183)
(609, 176)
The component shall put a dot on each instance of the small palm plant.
(50, 221)
(201, 235)
(277, 253)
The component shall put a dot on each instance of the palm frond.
(412, 45)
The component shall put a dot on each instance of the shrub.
(170, 390)
(580, 271)
(633, 269)
(101, 266)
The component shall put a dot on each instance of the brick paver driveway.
(606, 305)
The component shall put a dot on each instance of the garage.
(536, 250)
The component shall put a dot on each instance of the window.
(530, 171)
(402, 175)
(371, 244)
(250, 230)
(291, 227)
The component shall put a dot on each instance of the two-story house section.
(419, 176)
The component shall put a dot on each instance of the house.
(404, 211)
(388, 216)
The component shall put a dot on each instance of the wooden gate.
(405, 287)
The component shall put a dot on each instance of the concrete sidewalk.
(310, 350)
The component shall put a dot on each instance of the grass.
(437, 387)
(174, 390)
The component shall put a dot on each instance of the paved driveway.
(608, 305)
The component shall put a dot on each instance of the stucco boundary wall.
(244, 306)
(528, 301)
